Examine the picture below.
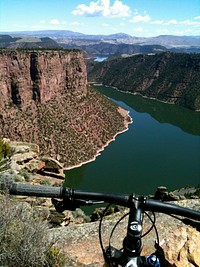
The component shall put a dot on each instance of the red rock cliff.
(40, 75)
(44, 99)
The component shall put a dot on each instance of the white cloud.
(158, 22)
(172, 21)
(139, 29)
(119, 9)
(136, 12)
(54, 22)
(103, 8)
(189, 22)
(76, 23)
(140, 18)
(197, 18)
(105, 25)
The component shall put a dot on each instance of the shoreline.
(147, 97)
(126, 123)
(98, 153)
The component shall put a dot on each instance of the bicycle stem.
(132, 245)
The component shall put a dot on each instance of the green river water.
(161, 147)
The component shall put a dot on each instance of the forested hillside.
(169, 77)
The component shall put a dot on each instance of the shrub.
(45, 181)
(5, 153)
(5, 149)
(24, 238)
(18, 178)
(27, 175)
(197, 193)
(56, 258)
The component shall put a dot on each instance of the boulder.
(51, 164)
(35, 165)
(52, 168)
(24, 157)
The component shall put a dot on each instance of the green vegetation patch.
(24, 237)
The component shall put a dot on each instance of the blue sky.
(135, 17)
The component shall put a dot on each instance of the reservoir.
(161, 147)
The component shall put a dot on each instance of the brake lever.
(72, 204)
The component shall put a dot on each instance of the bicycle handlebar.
(147, 204)
(36, 190)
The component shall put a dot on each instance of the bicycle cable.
(155, 229)
(100, 227)
(154, 226)
(116, 224)
(152, 221)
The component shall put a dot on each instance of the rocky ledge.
(26, 165)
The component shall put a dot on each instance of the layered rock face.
(45, 99)
(39, 75)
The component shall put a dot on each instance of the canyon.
(45, 99)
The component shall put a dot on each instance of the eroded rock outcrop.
(26, 165)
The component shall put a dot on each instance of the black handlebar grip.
(36, 190)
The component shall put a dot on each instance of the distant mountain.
(7, 41)
(55, 34)
(174, 41)
(100, 45)
(50, 33)
(109, 49)
(164, 40)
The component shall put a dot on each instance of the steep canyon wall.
(45, 99)
(40, 75)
